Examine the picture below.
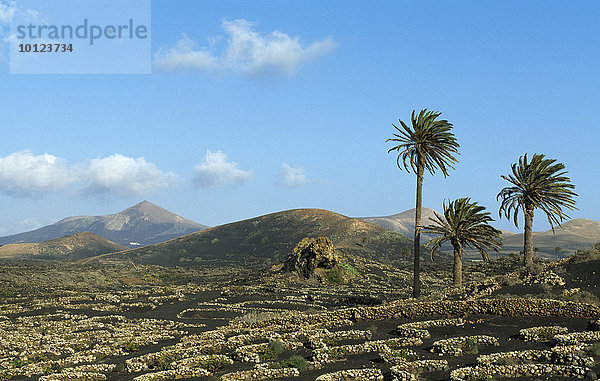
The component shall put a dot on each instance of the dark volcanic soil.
(123, 322)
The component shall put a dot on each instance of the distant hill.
(142, 224)
(404, 222)
(270, 238)
(72, 247)
(571, 236)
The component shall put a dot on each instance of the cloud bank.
(23, 174)
(215, 170)
(247, 51)
(122, 175)
(291, 177)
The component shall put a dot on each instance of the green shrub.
(336, 353)
(401, 353)
(131, 347)
(120, 368)
(470, 347)
(348, 269)
(213, 363)
(335, 276)
(594, 350)
(164, 361)
(297, 362)
(274, 348)
(18, 363)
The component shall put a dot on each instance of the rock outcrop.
(310, 255)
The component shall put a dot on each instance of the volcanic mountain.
(142, 224)
(571, 236)
(404, 222)
(270, 238)
(72, 247)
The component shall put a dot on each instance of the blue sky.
(256, 107)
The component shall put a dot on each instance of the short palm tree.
(464, 224)
(557, 250)
(537, 184)
(428, 145)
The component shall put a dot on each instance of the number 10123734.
(45, 48)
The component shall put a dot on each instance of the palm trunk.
(457, 273)
(417, 241)
(528, 236)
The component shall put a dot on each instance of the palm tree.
(539, 184)
(557, 250)
(427, 145)
(464, 224)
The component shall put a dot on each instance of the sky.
(257, 107)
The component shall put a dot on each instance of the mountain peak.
(144, 205)
(144, 223)
(148, 212)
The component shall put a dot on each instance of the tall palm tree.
(464, 224)
(539, 184)
(428, 145)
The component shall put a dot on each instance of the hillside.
(72, 247)
(141, 224)
(404, 222)
(270, 238)
(571, 236)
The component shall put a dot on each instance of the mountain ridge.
(572, 235)
(72, 247)
(404, 222)
(270, 238)
(142, 224)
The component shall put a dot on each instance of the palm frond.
(540, 184)
(427, 140)
(465, 224)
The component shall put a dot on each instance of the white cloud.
(125, 176)
(7, 12)
(183, 56)
(275, 53)
(10, 12)
(23, 174)
(246, 50)
(216, 170)
(291, 177)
